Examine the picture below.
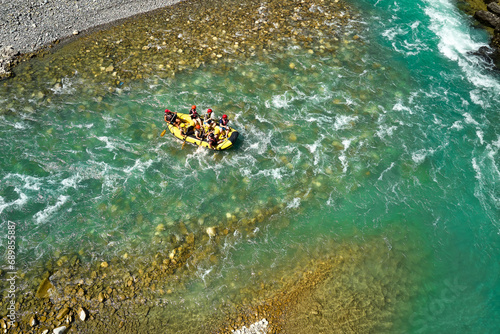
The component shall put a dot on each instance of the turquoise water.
(393, 140)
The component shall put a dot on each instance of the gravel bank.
(27, 25)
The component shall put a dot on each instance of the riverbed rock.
(62, 313)
(44, 288)
(211, 231)
(33, 321)
(59, 330)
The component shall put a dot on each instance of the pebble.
(81, 314)
(59, 330)
(255, 328)
(211, 231)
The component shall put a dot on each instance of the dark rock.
(495, 40)
(487, 18)
(494, 7)
(490, 56)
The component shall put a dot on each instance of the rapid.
(384, 153)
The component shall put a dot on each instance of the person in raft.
(209, 126)
(220, 133)
(223, 122)
(195, 116)
(207, 115)
(212, 141)
(199, 132)
(193, 109)
(171, 117)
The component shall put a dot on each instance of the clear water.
(391, 146)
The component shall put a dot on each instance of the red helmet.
(209, 110)
(193, 107)
(224, 116)
(167, 111)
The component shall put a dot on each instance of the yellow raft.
(187, 122)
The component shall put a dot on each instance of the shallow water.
(383, 152)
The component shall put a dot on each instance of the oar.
(163, 133)
(184, 142)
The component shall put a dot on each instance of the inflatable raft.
(188, 124)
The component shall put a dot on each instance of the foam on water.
(456, 43)
(42, 216)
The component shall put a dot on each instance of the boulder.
(494, 8)
(43, 289)
(489, 55)
(487, 18)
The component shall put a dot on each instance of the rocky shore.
(27, 26)
(487, 13)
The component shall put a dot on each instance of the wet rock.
(62, 313)
(211, 231)
(44, 288)
(487, 18)
(190, 238)
(494, 8)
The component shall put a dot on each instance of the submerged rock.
(44, 288)
(62, 313)
(211, 231)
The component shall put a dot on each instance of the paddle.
(163, 133)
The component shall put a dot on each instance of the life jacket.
(212, 140)
(223, 121)
(200, 132)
